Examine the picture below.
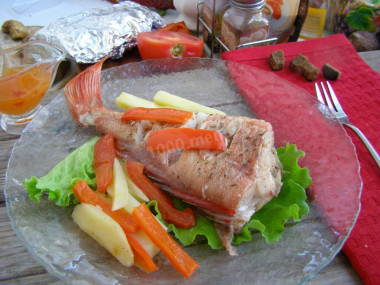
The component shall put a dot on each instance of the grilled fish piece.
(228, 186)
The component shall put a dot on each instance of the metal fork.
(337, 110)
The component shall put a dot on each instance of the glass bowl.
(26, 73)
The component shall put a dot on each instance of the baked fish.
(227, 186)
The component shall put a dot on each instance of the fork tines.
(336, 106)
(337, 110)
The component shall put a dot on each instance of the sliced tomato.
(104, 156)
(157, 114)
(176, 27)
(168, 44)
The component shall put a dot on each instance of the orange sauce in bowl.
(22, 92)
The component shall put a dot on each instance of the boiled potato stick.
(132, 203)
(118, 190)
(136, 192)
(127, 101)
(142, 258)
(86, 195)
(145, 242)
(165, 99)
(105, 230)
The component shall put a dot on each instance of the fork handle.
(366, 142)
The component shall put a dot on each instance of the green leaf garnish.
(361, 19)
(290, 203)
(58, 183)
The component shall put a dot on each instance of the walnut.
(15, 29)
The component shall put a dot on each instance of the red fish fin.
(83, 93)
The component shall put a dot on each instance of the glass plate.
(52, 238)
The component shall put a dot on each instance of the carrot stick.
(86, 195)
(183, 219)
(142, 258)
(185, 138)
(181, 261)
(104, 156)
(157, 114)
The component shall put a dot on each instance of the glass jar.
(244, 23)
(286, 18)
(220, 7)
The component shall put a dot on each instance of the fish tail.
(83, 95)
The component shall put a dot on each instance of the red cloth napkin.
(358, 90)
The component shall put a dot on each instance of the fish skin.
(226, 178)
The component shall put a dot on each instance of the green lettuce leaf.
(290, 203)
(203, 227)
(58, 183)
(291, 170)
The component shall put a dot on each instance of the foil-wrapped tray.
(91, 35)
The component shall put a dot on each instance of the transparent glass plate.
(51, 236)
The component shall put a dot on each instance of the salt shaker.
(244, 23)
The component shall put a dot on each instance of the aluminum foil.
(89, 36)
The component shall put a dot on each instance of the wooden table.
(18, 267)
